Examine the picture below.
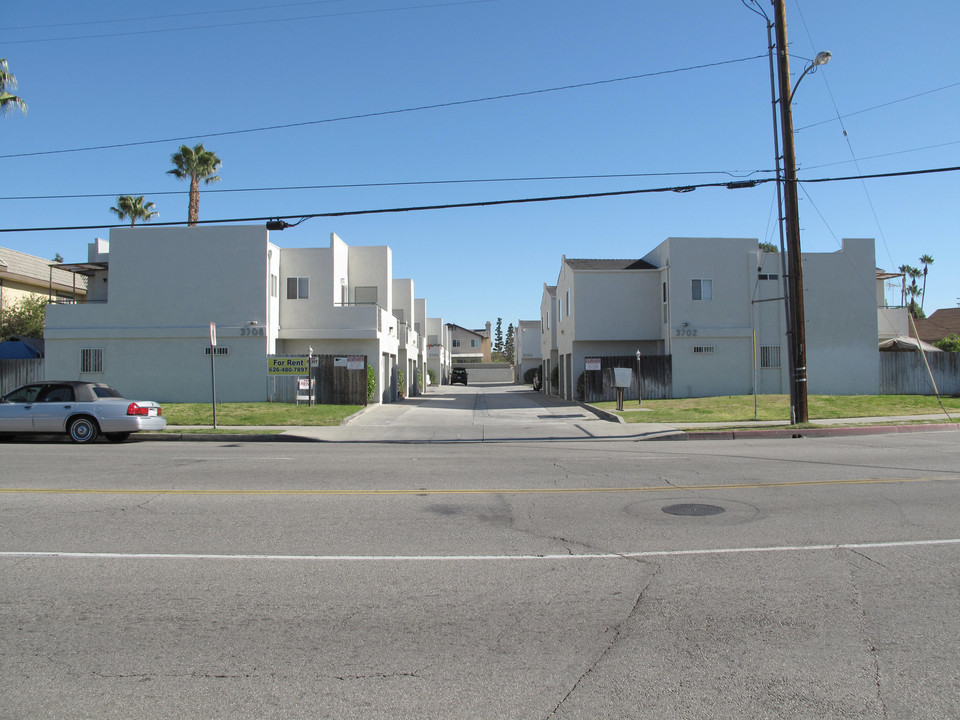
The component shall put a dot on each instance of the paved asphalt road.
(521, 578)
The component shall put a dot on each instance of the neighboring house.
(526, 347)
(438, 350)
(714, 306)
(468, 346)
(549, 354)
(939, 325)
(23, 275)
(149, 327)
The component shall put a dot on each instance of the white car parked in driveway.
(83, 410)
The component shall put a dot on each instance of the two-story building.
(714, 307)
(159, 297)
(526, 348)
(24, 276)
(438, 351)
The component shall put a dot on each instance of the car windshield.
(105, 391)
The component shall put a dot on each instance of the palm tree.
(197, 164)
(9, 101)
(913, 290)
(927, 261)
(134, 208)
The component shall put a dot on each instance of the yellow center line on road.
(464, 491)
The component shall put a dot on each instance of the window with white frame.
(769, 356)
(456, 342)
(568, 303)
(274, 286)
(474, 343)
(91, 360)
(702, 289)
(298, 288)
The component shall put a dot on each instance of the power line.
(170, 16)
(736, 174)
(840, 117)
(240, 23)
(383, 113)
(492, 203)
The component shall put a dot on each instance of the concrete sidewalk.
(382, 427)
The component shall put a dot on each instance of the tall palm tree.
(913, 290)
(9, 101)
(927, 261)
(134, 208)
(197, 164)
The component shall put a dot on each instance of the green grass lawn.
(740, 408)
(257, 414)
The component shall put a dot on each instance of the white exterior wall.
(166, 285)
(605, 312)
(840, 308)
(438, 350)
(549, 353)
(526, 347)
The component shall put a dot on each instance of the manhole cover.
(693, 509)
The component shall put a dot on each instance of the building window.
(298, 288)
(768, 276)
(274, 286)
(770, 356)
(703, 349)
(568, 303)
(702, 289)
(91, 360)
(217, 350)
(365, 295)
(474, 343)
(456, 343)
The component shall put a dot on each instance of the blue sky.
(132, 73)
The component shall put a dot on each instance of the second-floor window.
(702, 289)
(474, 343)
(298, 288)
(456, 343)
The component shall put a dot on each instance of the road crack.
(615, 632)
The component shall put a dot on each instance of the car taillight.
(134, 409)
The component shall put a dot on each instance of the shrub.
(371, 383)
(529, 375)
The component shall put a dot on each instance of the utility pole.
(791, 215)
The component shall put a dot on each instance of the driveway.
(481, 412)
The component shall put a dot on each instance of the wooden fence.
(14, 373)
(904, 373)
(656, 372)
(336, 383)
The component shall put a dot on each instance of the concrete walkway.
(505, 413)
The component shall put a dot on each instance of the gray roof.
(589, 264)
(36, 269)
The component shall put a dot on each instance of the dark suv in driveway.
(459, 375)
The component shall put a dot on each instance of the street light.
(795, 313)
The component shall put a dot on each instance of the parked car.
(82, 410)
(458, 375)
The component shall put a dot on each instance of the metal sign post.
(213, 371)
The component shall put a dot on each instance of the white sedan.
(82, 410)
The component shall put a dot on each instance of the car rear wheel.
(83, 430)
(116, 437)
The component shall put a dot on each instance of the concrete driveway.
(481, 412)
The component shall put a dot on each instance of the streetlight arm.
(822, 58)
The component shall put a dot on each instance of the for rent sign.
(288, 366)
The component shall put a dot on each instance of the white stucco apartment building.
(154, 292)
(714, 305)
